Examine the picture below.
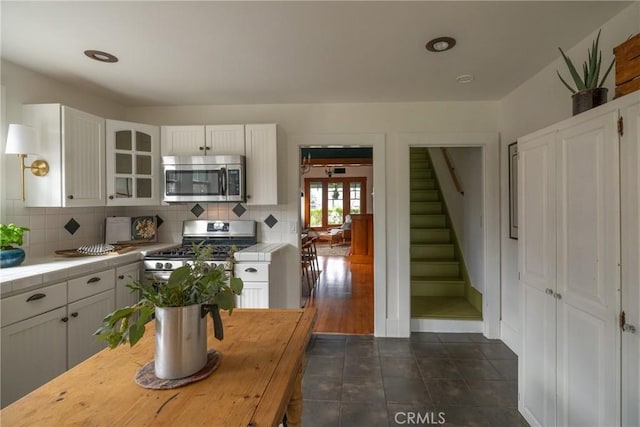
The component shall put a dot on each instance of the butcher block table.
(258, 380)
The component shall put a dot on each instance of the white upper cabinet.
(261, 150)
(73, 143)
(225, 139)
(183, 141)
(202, 140)
(133, 164)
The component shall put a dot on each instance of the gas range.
(220, 236)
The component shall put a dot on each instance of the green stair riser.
(437, 289)
(423, 184)
(435, 269)
(425, 208)
(421, 174)
(429, 221)
(425, 235)
(432, 251)
(425, 196)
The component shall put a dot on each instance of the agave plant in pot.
(589, 91)
(180, 308)
(11, 235)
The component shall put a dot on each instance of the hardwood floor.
(343, 297)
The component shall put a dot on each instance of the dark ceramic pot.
(588, 99)
(11, 257)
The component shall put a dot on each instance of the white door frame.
(490, 144)
(377, 142)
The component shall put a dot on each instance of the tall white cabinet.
(570, 264)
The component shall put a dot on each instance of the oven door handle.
(157, 276)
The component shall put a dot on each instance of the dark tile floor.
(428, 379)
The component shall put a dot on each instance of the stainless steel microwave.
(203, 179)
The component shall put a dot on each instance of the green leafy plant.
(590, 69)
(11, 235)
(195, 283)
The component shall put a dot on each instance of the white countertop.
(39, 271)
(261, 252)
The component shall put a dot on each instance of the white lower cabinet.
(84, 317)
(33, 352)
(49, 330)
(255, 280)
(124, 276)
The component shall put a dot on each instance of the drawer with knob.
(252, 272)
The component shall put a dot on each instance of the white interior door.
(630, 198)
(588, 274)
(537, 267)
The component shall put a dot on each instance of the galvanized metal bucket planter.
(181, 339)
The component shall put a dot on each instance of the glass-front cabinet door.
(133, 164)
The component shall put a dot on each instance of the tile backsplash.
(48, 232)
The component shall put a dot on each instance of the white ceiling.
(188, 53)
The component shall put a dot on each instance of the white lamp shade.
(22, 139)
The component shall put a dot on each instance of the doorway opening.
(336, 205)
(446, 233)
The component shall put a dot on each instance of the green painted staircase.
(440, 287)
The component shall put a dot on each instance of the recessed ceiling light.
(98, 55)
(441, 44)
(465, 78)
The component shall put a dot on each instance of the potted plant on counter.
(10, 235)
(180, 307)
(589, 91)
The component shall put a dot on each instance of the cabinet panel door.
(254, 295)
(261, 147)
(85, 316)
(537, 267)
(588, 273)
(125, 275)
(182, 141)
(133, 164)
(83, 147)
(33, 352)
(630, 197)
(225, 139)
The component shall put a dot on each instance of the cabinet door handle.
(111, 197)
(548, 291)
(120, 277)
(250, 270)
(74, 314)
(93, 280)
(557, 296)
(36, 297)
(70, 196)
(201, 148)
(65, 319)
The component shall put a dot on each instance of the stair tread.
(435, 260)
(437, 279)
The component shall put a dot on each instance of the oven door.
(194, 183)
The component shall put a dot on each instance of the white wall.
(537, 103)
(22, 86)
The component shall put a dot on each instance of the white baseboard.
(510, 337)
(442, 325)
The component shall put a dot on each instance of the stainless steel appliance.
(220, 235)
(203, 178)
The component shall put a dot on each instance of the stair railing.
(452, 171)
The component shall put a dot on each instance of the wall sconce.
(305, 164)
(329, 171)
(23, 140)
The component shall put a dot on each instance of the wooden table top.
(262, 354)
